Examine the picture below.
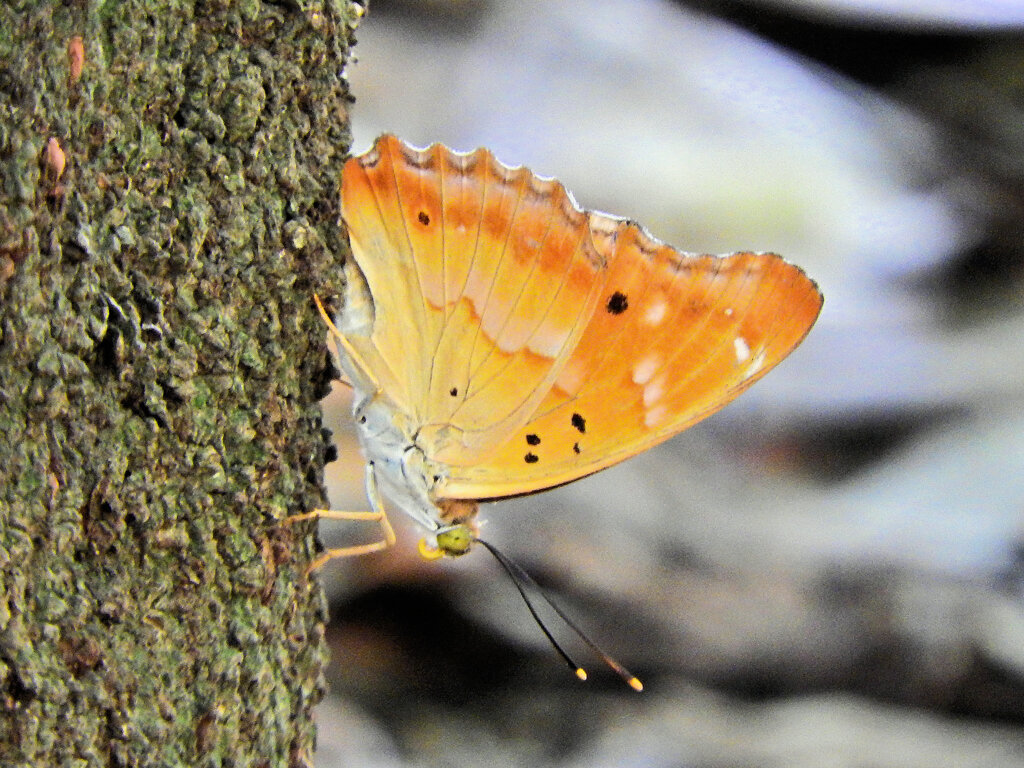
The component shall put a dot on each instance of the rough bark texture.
(161, 367)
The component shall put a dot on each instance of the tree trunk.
(168, 205)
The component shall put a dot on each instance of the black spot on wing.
(575, 447)
(454, 391)
(533, 439)
(579, 422)
(617, 303)
(424, 219)
(531, 458)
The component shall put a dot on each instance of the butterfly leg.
(368, 383)
(377, 514)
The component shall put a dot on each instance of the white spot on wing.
(742, 349)
(644, 370)
(655, 313)
(654, 416)
(755, 364)
(653, 390)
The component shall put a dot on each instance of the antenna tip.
(581, 673)
(635, 684)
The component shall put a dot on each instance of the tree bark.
(168, 205)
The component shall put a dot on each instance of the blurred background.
(830, 572)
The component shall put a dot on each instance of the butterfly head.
(451, 541)
(458, 531)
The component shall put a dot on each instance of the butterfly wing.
(674, 338)
(481, 280)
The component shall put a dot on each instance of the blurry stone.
(829, 731)
(348, 737)
(925, 15)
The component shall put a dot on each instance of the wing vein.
(482, 310)
(522, 289)
(473, 257)
(424, 311)
(562, 353)
(444, 289)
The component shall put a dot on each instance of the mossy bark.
(161, 364)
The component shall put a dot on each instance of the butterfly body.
(401, 468)
(501, 340)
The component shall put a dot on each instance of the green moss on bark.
(160, 377)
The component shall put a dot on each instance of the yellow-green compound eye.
(455, 541)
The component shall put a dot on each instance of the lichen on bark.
(160, 369)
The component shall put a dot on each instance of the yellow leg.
(369, 383)
(378, 514)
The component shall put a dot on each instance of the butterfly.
(501, 340)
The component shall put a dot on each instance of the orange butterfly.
(500, 340)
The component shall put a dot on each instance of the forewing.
(673, 339)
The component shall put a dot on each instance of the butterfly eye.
(455, 541)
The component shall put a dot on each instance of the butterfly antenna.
(520, 577)
(509, 567)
